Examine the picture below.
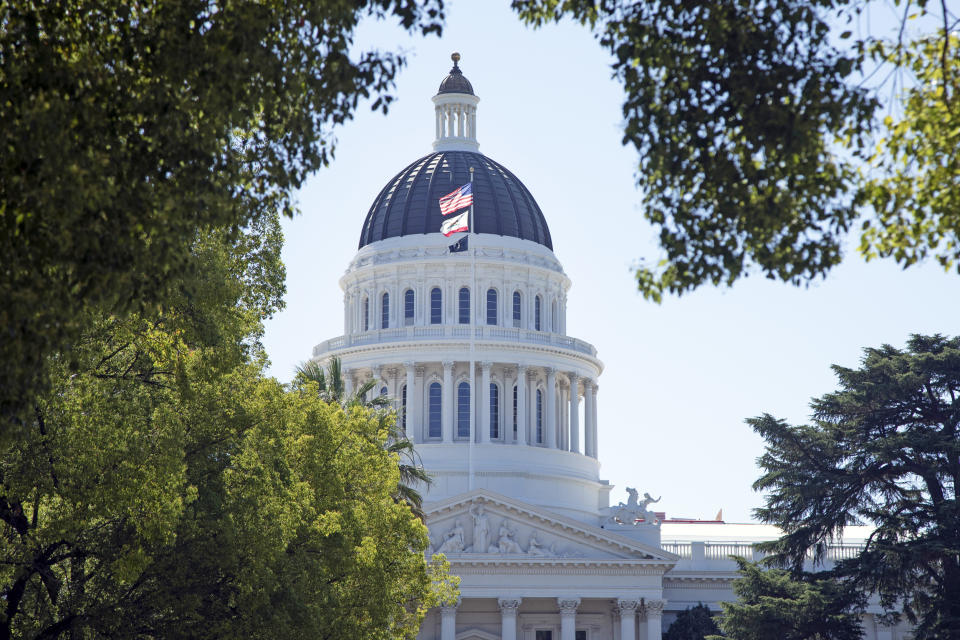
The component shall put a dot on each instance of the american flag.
(456, 200)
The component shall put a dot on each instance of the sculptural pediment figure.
(520, 532)
(634, 512)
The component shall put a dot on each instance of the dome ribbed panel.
(408, 204)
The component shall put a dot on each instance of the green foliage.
(756, 135)
(130, 130)
(773, 603)
(913, 187)
(693, 623)
(329, 385)
(883, 450)
(165, 488)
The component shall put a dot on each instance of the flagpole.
(475, 300)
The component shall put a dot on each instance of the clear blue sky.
(680, 377)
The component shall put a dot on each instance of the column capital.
(508, 605)
(408, 364)
(485, 366)
(450, 607)
(509, 372)
(550, 371)
(392, 372)
(420, 371)
(627, 607)
(568, 605)
(573, 377)
(447, 364)
(522, 368)
(654, 608)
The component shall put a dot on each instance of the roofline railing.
(454, 333)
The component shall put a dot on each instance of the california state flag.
(455, 224)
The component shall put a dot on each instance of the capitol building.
(469, 339)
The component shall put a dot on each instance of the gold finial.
(455, 57)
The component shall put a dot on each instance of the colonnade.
(553, 424)
(629, 616)
(456, 120)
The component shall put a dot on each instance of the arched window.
(516, 308)
(494, 411)
(514, 412)
(539, 416)
(491, 306)
(383, 391)
(463, 410)
(403, 408)
(366, 314)
(553, 316)
(385, 311)
(435, 395)
(436, 306)
(464, 306)
(408, 307)
(536, 313)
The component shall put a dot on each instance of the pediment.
(483, 525)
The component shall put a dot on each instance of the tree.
(884, 450)
(131, 129)
(329, 385)
(693, 623)
(773, 603)
(759, 149)
(165, 488)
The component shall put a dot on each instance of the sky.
(679, 378)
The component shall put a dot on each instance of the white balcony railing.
(722, 550)
(455, 333)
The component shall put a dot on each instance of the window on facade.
(536, 313)
(464, 306)
(383, 391)
(543, 634)
(408, 307)
(516, 308)
(514, 412)
(463, 410)
(436, 306)
(403, 408)
(539, 416)
(494, 411)
(491, 306)
(435, 410)
(581, 634)
(385, 311)
(366, 314)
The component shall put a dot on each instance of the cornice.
(403, 349)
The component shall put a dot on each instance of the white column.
(447, 405)
(508, 617)
(587, 418)
(411, 422)
(448, 621)
(521, 404)
(593, 422)
(563, 424)
(628, 614)
(574, 413)
(347, 383)
(438, 121)
(653, 610)
(550, 422)
(484, 402)
(568, 617)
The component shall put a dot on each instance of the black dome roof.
(455, 82)
(408, 204)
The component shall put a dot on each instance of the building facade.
(470, 342)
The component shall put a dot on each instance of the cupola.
(456, 112)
